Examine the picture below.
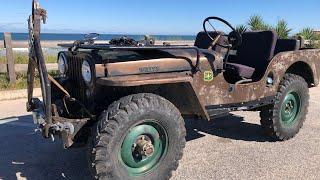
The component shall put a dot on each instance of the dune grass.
(21, 82)
(20, 58)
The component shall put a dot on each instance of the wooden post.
(10, 59)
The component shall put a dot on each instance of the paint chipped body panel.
(216, 92)
(209, 89)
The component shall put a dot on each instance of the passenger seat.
(254, 54)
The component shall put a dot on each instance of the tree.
(282, 29)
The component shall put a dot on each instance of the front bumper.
(63, 127)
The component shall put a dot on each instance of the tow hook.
(66, 129)
(59, 127)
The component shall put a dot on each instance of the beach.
(54, 43)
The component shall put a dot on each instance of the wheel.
(141, 136)
(286, 116)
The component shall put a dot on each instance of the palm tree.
(241, 29)
(256, 23)
(282, 29)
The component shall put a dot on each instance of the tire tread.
(115, 118)
(269, 114)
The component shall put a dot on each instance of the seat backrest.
(256, 50)
(204, 42)
(287, 45)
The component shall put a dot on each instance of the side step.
(215, 111)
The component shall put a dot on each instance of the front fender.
(177, 87)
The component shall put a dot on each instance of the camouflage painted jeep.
(127, 99)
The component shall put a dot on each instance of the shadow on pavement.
(231, 127)
(24, 153)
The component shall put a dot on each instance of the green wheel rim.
(143, 148)
(290, 108)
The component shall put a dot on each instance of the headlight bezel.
(87, 72)
(62, 64)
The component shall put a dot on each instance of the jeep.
(127, 100)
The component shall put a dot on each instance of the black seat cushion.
(204, 42)
(256, 50)
(240, 70)
(287, 45)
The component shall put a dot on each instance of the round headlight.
(86, 72)
(62, 63)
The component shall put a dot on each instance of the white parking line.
(9, 120)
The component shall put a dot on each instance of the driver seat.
(253, 55)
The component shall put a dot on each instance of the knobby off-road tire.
(286, 116)
(127, 126)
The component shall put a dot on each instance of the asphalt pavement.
(232, 147)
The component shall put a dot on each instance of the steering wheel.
(234, 38)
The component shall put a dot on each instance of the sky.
(161, 17)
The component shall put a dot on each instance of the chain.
(31, 36)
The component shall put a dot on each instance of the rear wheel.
(286, 116)
(140, 136)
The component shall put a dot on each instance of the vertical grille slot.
(77, 85)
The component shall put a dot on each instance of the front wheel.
(285, 117)
(140, 136)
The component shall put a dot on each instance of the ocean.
(69, 37)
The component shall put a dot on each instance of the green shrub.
(308, 34)
(282, 29)
(256, 23)
(241, 29)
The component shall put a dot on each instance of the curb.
(18, 94)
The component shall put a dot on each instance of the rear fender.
(282, 62)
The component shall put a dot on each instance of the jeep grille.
(77, 87)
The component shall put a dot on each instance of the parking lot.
(233, 147)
